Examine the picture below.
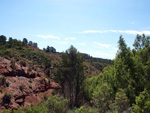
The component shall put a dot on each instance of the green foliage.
(50, 49)
(45, 97)
(142, 104)
(90, 85)
(2, 39)
(71, 76)
(18, 111)
(23, 63)
(124, 80)
(86, 109)
(6, 111)
(10, 42)
(102, 97)
(121, 101)
(41, 108)
(56, 104)
(25, 42)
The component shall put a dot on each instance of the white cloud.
(82, 44)
(66, 39)
(70, 38)
(102, 45)
(48, 36)
(133, 32)
(92, 31)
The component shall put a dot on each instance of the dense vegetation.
(27, 54)
(123, 86)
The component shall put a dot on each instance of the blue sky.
(92, 26)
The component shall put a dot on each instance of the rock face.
(6, 69)
(25, 88)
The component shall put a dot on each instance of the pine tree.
(71, 75)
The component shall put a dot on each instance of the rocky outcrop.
(25, 88)
(6, 69)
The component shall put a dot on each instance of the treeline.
(93, 59)
(13, 43)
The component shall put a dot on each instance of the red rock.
(34, 87)
(6, 70)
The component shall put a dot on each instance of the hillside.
(27, 73)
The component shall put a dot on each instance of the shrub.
(18, 111)
(121, 101)
(57, 104)
(3, 81)
(7, 97)
(6, 111)
(86, 109)
(21, 87)
(41, 108)
(30, 80)
(13, 66)
(142, 103)
(45, 97)
(7, 84)
(23, 63)
(102, 97)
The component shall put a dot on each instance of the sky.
(91, 26)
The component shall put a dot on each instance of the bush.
(18, 111)
(7, 84)
(7, 97)
(102, 97)
(21, 87)
(23, 63)
(41, 108)
(3, 81)
(57, 104)
(6, 111)
(121, 101)
(86, 109)
(13, 66)
(142, 103)
(45, 97)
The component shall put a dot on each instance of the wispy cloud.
(102, 45)
(82, 44)
(92, 31)
(48, 36)
(70, 38)
(132, 32)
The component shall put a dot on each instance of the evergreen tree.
(2, 39)
(71, 75)
(25, 41)
(30, 43)
(10, 42)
